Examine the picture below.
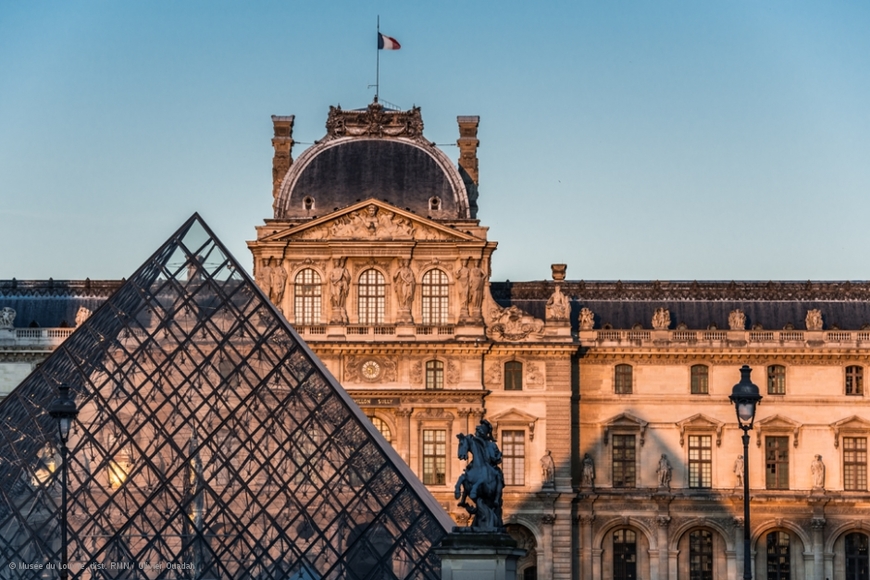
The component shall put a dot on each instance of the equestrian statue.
(483, 481)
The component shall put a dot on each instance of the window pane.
(699, 380)
(382, 426)
(307, 289)
(372, 297)
(857, 561)
(776, 461)
(855, 463)
(854, 380)
(700, 461)
(701, 555)
(624, 461)
(622, 383)
(513, 376)
(776, 380)
(624, 555)
(435, 297)
(513, 457)
(434, 456)
(434, 374)
(778, 556)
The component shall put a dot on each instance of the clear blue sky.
(631, 139)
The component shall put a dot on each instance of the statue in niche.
(814, 319)
(737, 320)
(277, 283)
(587, 319)
(661, 319)
(405, 284)
(739, 470)
(82, 314)
(339, 283)
(817, 468)
(548, 470)
(664, 472)
(462, 279)
(476, 280)
(558, 307)
(482, 481)
(7, 317)
(588, 471)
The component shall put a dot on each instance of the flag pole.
(378, 61)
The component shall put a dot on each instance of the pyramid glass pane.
(210, 443)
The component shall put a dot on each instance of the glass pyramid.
(210, 443)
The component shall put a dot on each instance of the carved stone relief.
(513, 325)
(661, 319)
(452, 375)
(534, 374)
(82, 314)
(493, 374)
(737, 320)
(370, 369)
(374, 121)
(814, 320)
(7, 317)
(371, 223)
(587, 319)
(416, 373)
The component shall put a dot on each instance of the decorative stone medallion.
(371, 370)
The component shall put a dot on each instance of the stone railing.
(40, 338)
(787, 338)
(371, 333)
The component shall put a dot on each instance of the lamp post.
(745, 397)
(63, 410)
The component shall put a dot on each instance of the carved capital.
(548, 519)
(818, 523)
(586, 519)
(404, 413)
(663, 521)
(738, 522)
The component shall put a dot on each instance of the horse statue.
(483, 480)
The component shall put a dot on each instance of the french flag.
(387, 42)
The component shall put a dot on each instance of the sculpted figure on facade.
(462, 280)
(664, 472)
(548, 470)
(738, 470)
(476, 281)
(339, 284)
(263, 275)
(277, 283)
(404, 286)
(817, 468)
(482, 481)
(661, 319)
(512, 324)
(7, 317)
(588, 471)
(558, 307)
(587, 319)
(369, 223)
(814, 320)
(82, 314)
(737, 320)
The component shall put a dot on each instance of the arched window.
(624, 555)
(434, 375)
(857, 561)
(700, 380)
(382, 426)
(435, 298)
(306, 295)
(701, 555)
(372, 297)
(622, 380)
(776, 380)
(854, 380)
(513, 376)
(778, 556)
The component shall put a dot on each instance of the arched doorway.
(527, 567)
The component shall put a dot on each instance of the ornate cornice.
(374, 121)
(446, 396)
(709, 356)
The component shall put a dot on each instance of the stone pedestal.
(467, 555)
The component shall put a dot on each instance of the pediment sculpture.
(661, 319)
(513, 325)
(814, 319)
(736, 320)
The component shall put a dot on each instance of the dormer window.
(434, 203)
(308, 203)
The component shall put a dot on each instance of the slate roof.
(698, 305)
(53, 303)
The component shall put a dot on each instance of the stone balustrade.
(729, 338)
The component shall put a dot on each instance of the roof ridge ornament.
(374, 121)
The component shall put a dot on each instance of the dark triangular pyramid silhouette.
(210, 443)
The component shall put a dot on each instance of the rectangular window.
(776, 462)
(624, 461)
(776, 380)
(855, 463)
(513, 376)
(434, 456)
(854, 380)
(622, 380)
(700, 461)
(700, 380)
(513, 448)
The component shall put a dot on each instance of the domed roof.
(375, 153)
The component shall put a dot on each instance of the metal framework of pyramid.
(210, 443)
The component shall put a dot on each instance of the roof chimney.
(468, 143)
(283, 144)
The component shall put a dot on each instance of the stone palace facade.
(622, 455)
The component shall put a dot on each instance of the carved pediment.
(777, 423)
(700, 422)
(370, 220)
(514, 417)
(849, 425)
(625, 421)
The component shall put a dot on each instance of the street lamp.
(63, 410)
(745, 397)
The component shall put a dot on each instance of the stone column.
(545, 560)
(403, 441)
(818, 548)
(586, 546)
(738, 551)
(662, 540)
